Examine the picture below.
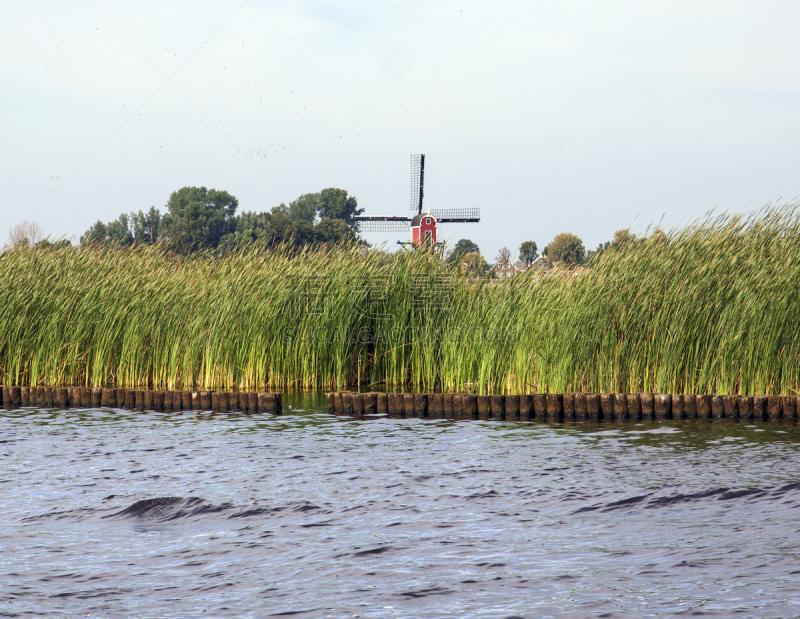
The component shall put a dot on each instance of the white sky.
(550, 116)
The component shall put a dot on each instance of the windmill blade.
(417, 182)
(383, 224)
(453, 215)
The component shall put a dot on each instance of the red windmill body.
(424, 226)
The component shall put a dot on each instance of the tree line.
(566, 250)
(197, 218)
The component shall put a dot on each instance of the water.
(124, 514)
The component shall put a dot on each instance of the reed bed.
(713, 307)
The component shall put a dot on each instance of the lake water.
(123, 514)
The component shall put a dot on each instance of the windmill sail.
(383, 224)
(456, 214)
(417, 182)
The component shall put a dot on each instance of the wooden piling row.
(12, 398)
(566, 407)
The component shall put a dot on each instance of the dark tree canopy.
(336, 204)
(127, 228)
(197, 217)
(528, 252)
(566, 248)
(462, 248)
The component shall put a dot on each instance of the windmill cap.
(418, 219)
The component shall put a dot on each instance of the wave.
(652, 501)
(165, 509)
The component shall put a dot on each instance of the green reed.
(713, 307)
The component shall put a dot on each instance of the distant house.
(503, 270)
(539, 263)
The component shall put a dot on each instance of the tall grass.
(713, 307)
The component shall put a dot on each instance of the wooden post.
(663, 402)
(97, 397)
(330, 400)
(108, 398)
(278, 403)
(745, 403)
(484, 407)
(224, 401)
(252, 403)
(49, 400)
(120, 398)
(149, 400)
(347, 403)
(25, 396)
(731, 407)
(42, 401)
(14, 398)
(421, 405)
(526, 407)
(540, 407)
(448, 405)
(569, 407)
(593, 412)
(358, 404)
(717, 407)
(555, 407)
(215, 408)
(436, 409)
(408, 405)
(677, 407)
(512, 408)
(338, 405)
(205, 400)
(789, 409)
(703, 403)
(383, 403)
(690, 406)
(648, 406)
(60, 397)
(607, 406)
(498, 404)
(139, 399)
(186, 400)
(760, 408)
(634, 407)
(458, 406)
(158, 401)
(393, 405)
(774, 407)
(371, 403)
(621, 407)
(470, 406)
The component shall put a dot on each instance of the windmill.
(423, 225)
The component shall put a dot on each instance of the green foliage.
(336, 204)
(198, 218)
(712, 308)
(473, 263)
(463, 247)
(565, 248)
(528, 252)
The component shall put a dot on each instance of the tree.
(198, 218)
(473, 262)
(334, 231)
(528, 252)
(336, 204)
(304, 208)
(503, 256)
(26, 233)
(462, 248)
(146, 225)
(566, 248)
